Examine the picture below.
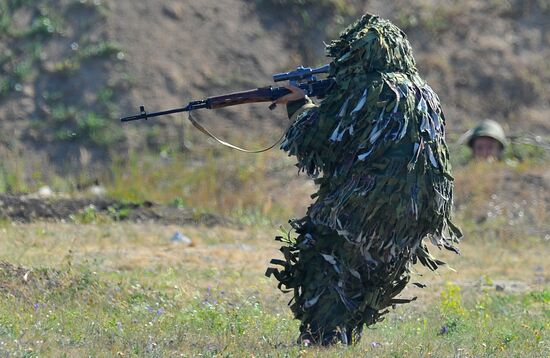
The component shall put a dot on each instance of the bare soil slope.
(94, 61)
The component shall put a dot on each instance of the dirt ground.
(26, 209)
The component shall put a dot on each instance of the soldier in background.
(487, 140)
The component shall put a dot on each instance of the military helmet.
(486, 128)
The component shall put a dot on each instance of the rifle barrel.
(264, 94)
(144, 115)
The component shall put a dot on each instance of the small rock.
(97, 190)
(499, 288)
(174, 11)
(44, 192)
(181, 238)
(28, 90)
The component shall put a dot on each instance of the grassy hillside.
(70, 68)
(94, 284)
(106, 289)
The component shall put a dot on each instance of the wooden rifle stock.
(263, 94)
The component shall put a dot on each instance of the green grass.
(108, 288)
(12, 178)
(78, 311)
(227, 182)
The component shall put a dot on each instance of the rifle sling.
(209, 134)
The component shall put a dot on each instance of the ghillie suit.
(377, 150)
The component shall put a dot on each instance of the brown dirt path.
(27, 209)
